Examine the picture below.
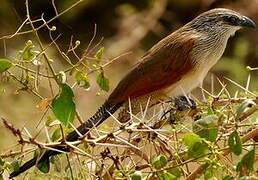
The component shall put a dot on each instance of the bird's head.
(220, 21)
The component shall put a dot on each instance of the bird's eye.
(233, 19)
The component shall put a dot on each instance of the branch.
(252, 134)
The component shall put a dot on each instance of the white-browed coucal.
(172, 67)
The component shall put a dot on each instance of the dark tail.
(100, 116)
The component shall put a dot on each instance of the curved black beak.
(247, 22)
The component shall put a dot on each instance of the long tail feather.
(100, 116)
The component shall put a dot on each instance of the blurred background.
(126, 26)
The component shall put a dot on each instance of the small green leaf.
(167, 176)
(234, 143)
(210, 111)
(209, 173)
(103, 82)
(44, 166)
(5, 64)
(100, 53)
(82, 80)
(16, 165)
(198, 149)
(137, 175)
(190, 139)
(56, 134)
(159, 161)
(175, 171)
(118, 174)
(1, 177)
(207, 127)
(228, 177)
(195, 144)
(247, 162)
(28, 54)
(63, 105)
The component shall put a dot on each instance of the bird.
(173, 67)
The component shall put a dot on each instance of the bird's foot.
(179, 104)
(183, 103)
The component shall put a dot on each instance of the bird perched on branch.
(172, 67)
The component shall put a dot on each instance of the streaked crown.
(220, 19)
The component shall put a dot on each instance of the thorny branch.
(131, 138)
(131, 146)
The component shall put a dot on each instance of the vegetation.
(215, 140)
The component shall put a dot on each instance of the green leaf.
(100, 53)
(63, 105)
(190, 139)
(195, 144)
(44, 166)
(167, 176)
(175, 171)
(56, 134)
(28, 53)
(210, 111)
(16, 165)
(198, 149)
(103, 82)
(228, 177)
(82, 80)
(159, 161)
(137, 175)
(5, 64)
(207, 127)
(234, 143)
(118, 174)
(247, 162)
(209, 173)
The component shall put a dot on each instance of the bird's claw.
(183, 103)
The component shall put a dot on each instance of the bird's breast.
(195, 77)
(186, 84)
